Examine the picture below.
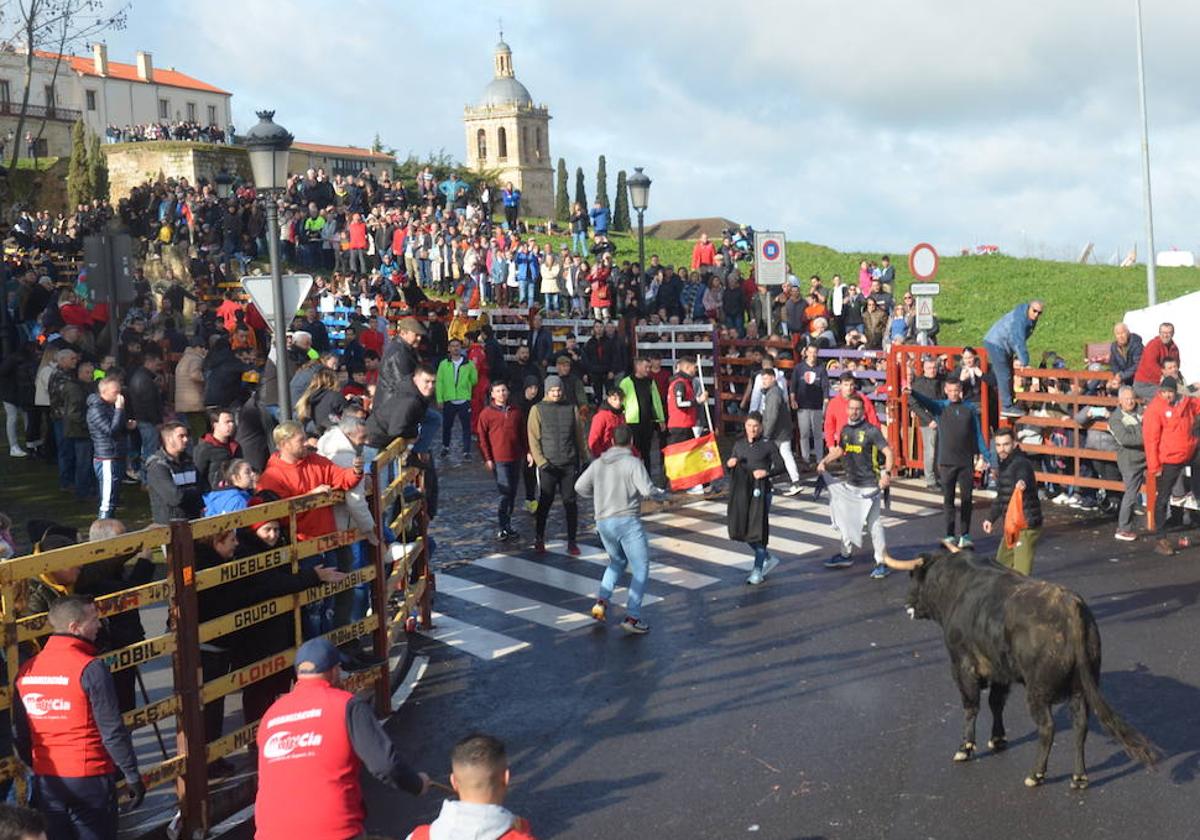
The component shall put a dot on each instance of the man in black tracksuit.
(960, 447)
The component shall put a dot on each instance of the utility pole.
(1151, 280)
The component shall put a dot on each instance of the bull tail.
(1135, 744)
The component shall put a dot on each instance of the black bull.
(1003, 628)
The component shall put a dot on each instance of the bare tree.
(57, 27)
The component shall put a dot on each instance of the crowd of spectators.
(176, 130)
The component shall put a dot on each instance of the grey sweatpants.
(811, 422)
(1133, 487)
(928, 451)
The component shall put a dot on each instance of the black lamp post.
(639, 197)
(224, 182)
(268, 145)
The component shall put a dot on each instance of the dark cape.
(747, 513)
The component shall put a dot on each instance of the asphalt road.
(809, 707)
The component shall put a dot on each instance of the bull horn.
(902, 565)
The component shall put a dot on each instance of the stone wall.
(130, 164)
(44, 189)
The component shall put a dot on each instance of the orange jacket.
(1168, 432)
(289, 480)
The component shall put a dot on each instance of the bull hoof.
(1079, 782)
(997, 744)
(1035, 780)
(964, 752)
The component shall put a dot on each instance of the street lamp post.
(267, 144)
(639, 197)
(224, 183)
(1151, 257)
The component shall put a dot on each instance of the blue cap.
(316, 656)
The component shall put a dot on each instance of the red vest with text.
(66, 740)
(681, 418)
(307, 771)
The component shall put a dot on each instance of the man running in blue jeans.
(618, 481)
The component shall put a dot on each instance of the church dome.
(505, 91)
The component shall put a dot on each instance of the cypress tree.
(98, 168)
(621, 211)
(79, 178)
(580, 192)
(562, 201)
(602, 183)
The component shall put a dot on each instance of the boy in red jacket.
(610, 415)
(479, 775)
(502, 439)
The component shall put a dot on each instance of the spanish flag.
(692, 462)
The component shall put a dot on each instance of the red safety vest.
(307, 770)
(681, 418)
(66, 740)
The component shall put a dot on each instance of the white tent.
(1184, 313)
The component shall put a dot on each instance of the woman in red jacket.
(601, 299)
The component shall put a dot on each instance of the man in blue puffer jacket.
(106, 426)
(1006, 340)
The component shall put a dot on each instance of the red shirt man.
(1158, 350)
(837, 413)
(294, 471)
(703, 252)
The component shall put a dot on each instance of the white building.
(103, 93)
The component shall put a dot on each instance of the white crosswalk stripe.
(551, 576)
(517, 606)
(682, 539)
(477, 641)
(661, 572)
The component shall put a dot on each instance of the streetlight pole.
(279, 327)
(267, 145)
(1151, 280)
(639, 197)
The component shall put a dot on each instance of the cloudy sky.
(871, 125)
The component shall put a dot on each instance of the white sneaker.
(1061, 499)
(17, 452)
(698, 490)
(770, 563)
(1189, 502)
(793, 489)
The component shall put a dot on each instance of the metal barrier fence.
(184, 633)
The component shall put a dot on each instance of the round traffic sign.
(771, 250)
(923, 261)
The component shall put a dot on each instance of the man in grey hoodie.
(479, 775)
(617, 482)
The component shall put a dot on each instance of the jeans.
(579, 243)
(148, 433)
(760, 549)
(425, 266)
(108, 478)
(737, 322)
(79, 807)
(85, 480)
(550, 299)
(625, 541)
(508, 474)
(66, 457)
(461, 412)
(928, 453)
(526, 295)
(1001, 362)
(317, 618)
(811, 422)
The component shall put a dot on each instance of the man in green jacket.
(643, 408)
(456, 378)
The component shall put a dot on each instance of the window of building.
(538, 145)
(91, 99)
(481, 144)
(5, 99)
(212, 114)
(164, 109)
(191, 111)
(50, 97)
(502, 145)
(523, 152)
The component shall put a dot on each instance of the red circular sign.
(923, 261)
